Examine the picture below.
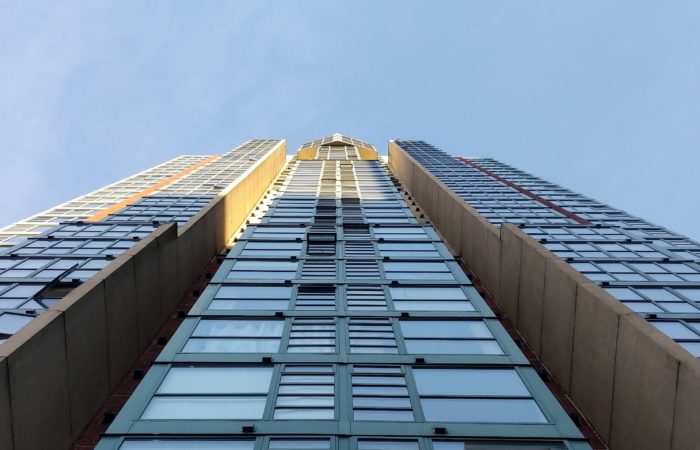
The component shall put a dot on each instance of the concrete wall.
(56, 372)
(637, 387)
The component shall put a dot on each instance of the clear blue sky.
(602, 97)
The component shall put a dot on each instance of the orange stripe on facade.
(117, 206)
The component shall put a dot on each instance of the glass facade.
(651, 269)
(337, 321)
(94, 202)
(70, 246)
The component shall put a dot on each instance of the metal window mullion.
(269, 411)
(413, 395)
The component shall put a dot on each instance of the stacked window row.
(338, 297)
(357, 392)
(344, 335)
(313, 442)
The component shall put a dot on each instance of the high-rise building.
(597, 293)
(422, 302)
(649, 268)
(56, 250)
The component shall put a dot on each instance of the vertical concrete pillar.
(38, 393)
(533, 264)
(168, 271)
(596, 325)
(148, 289)
(185, 277)
(122, 319)
(511, 250)
(686, 414)
(644, 392)
(87, 350)
(558, 313)
(5, 407)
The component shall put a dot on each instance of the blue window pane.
(209, 408)
(216, 380)
(643, 307)
(265, 265)
(254, 292)
(675, 330)
(659, 294)
(366, 444)
(306, 413)
(445, 328)
(680, 307)
(291, 401)
(162, 444)
(455, 347)
(482, 410)
(692, 347)
(510, 445)
(265, 305)
(421, 276)
(691, 294)
(243, 328)
(433, 305)
(482, 382)
(11, 323)
(303, 444)
(231, 346)
(391, 415)
(426, 293)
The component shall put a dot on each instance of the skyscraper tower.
(339, 321)
(597, 293)
(417, 303)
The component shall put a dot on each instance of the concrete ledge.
(185, 275)
(58, 370)
(167, 272)
(122, 318)
(558, 316)
(637, 388)
(533, 263)
(87, 350)
(509, 283)
(148, 288)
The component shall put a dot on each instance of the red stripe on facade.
(530, 194)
